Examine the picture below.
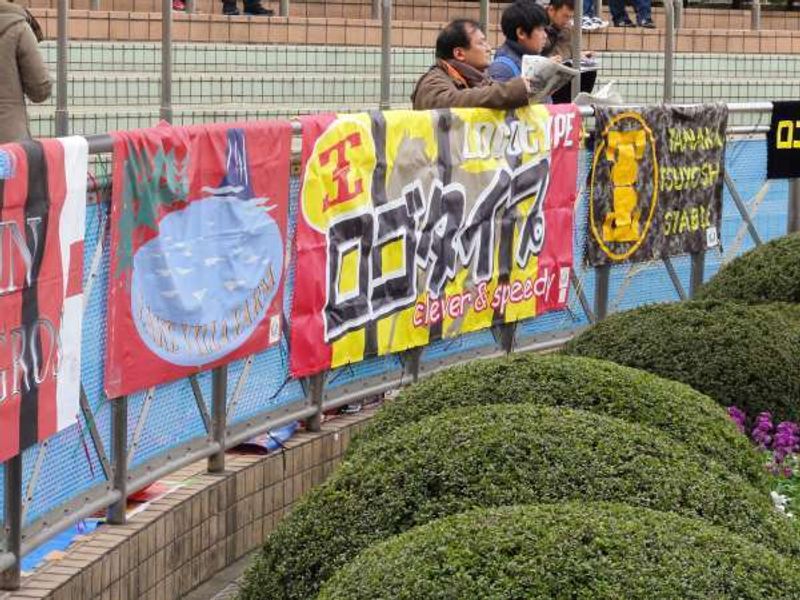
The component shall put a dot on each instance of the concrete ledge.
(123, 26)
(183, 539)
(439, 11)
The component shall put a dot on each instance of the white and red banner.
(422, 225)
(42, 221)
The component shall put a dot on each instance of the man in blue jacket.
(523, 24)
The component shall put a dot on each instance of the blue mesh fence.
(67, 465)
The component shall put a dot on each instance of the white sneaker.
(588, 24)
(599, 22)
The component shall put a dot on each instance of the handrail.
(103, 143)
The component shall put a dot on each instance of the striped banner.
(42, 220)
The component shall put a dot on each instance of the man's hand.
(556, 58)
(528, 85)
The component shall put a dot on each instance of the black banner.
(655, 187)
(783, 141)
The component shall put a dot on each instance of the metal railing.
(120, 475)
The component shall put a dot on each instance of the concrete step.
(145, 57)
(211, 89)
(122, 27)
(438, 11)
(267, 89)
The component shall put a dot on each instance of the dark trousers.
(564, 95)
(618, 13)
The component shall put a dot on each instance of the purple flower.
(762, 431)
(738, 416)
(786, 441)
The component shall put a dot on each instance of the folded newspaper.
(546, 75)
(605, 96)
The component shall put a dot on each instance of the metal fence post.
(697, 273)
(577, 47)
(119, 457)
(219, 417)
(316, 386)
(755, 15)
(678, 5)
(9, 579)
(507, 337)
(284, 8)
(62, 114)
(669, 48)
(793, 223)
(386, 54)
(166, 61)
(484, 17)
(376, 9)
(602, 275)
(411, 359)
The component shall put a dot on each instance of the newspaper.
(546, 75)
(605, 96)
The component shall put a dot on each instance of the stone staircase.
(115, 85)
(325, 56)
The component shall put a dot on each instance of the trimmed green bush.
(768, 273)
(742, 355)
(587, 384)
(494, 456)
(547, 552)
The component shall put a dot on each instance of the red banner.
(42, 220)
(416, 226)
(198, 234)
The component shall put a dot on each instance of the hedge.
(594, 551)
(584, 383)
(767, 273)
(493, 456)
(742, 355)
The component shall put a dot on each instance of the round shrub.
(494, 456)
(767, 273)
(578, 550)
(577, 382)
(742, 355)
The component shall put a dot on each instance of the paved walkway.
(225, 584)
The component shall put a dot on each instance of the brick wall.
(182, 540)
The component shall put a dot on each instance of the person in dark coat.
(559, 43)
(459, 77)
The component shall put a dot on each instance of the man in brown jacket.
(459, 79)
(22, 72)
